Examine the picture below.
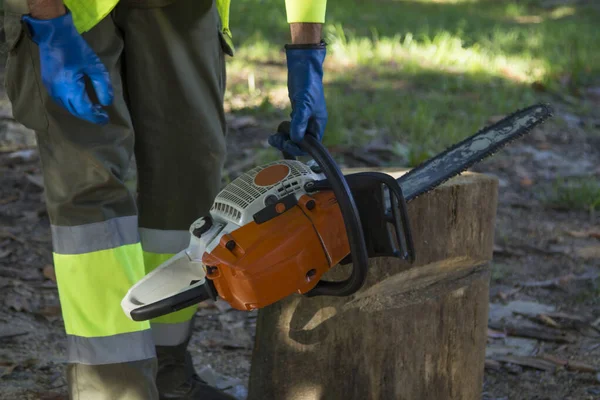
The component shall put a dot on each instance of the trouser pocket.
(22, 78)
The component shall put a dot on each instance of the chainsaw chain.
(538, 113)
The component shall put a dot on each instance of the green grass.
(423, 73)
(575, 194)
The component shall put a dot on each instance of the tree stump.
(414, 332)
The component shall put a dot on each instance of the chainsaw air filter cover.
(261, 186)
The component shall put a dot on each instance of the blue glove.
(305, 87)
(65, 60)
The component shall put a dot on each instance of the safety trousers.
(121, 197)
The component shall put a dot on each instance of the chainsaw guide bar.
(472, 150)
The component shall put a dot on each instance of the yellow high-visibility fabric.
(87, 13)
(305, 10)
(91, 287)
(151, 261)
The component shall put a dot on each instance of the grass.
(575, 194)
(422, 73)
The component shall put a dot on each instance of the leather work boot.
(177, 380)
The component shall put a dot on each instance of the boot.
(177, 379)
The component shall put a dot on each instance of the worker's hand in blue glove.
(65, 60)
(305, 87)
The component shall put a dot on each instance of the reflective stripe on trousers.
(95, 266)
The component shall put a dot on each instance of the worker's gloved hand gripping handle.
(66, 60)
(305, 88)
(358, 248)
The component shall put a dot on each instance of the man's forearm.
(306, 33)
(46, 9)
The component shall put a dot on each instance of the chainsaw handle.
(358, 248)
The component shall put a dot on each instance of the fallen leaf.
(581, 367)
(9, 199)
(495, 334)
(546, 320)
(584, 234)
(50, 311)
(526, 182)
(588, 252)
(6, 368)
(49, 272)
(504, 296)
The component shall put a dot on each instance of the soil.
(534, 243)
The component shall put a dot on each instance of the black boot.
(177, 380)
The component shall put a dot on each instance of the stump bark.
(414, 332)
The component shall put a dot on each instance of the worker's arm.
(46, 9)
(65, 59)
(305, 56)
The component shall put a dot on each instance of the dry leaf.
(49, 273)
(548, 321)
(588, 252)
(580, 367)
(495, 334)
(6, 368)
(9, 199)
(50, 311)
(526, 182)
(584, 234)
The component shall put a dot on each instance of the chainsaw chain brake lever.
(354, 230)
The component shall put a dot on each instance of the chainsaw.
(276, 229)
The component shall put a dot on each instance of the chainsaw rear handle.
(358, 248)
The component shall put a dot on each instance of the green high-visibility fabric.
(91, 287)
(86, 13)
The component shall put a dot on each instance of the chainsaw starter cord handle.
(358, 248)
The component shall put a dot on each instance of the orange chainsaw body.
(259, 264)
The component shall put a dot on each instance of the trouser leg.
(96, 247)
(175, 74)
